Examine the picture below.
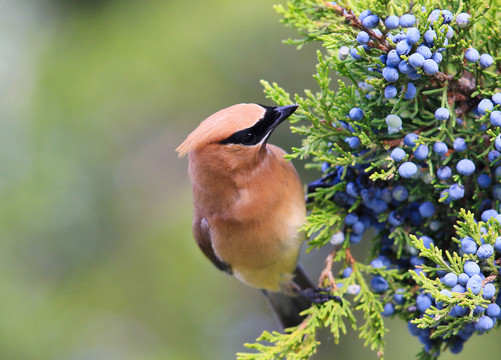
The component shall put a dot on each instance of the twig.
(327, 271)
(355, 22)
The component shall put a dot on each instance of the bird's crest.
(221, 125)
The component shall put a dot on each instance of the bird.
(249, 204)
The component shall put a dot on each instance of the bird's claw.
(319, 295)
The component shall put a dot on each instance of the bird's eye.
(248, 138)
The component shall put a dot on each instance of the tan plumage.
(217, 127)
(248, 200)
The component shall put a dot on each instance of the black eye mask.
(253, 135)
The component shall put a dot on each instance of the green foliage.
(323, 121)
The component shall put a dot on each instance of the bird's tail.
(287, 307)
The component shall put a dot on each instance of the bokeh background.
(97, 259)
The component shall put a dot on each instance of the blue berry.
(484, 181)
(437, 57)
(399, 296)
(496, 98)
(405, 67)
(434, 15)
(493, 310)
(390, 74)
(495, 118)
(388, 309)
(371, 21)
(393, 58)
(395, 218)
(474, 284)
(440, 148)
(391, 22)
(397, 154)
(356, 114)
(343, 53)
(351, 219)
(427, 241)
(484, 323)
(407, 20)
(458, 311)
(421, 152)
(456, 346)
(463, 278)
(497, 142)
(493, 155)
(444, 172)
(407, 169)
(358, 228)
(486, 60)
(465, 167)
(450, 32)
(430, 67)
(478, 309)
(364, 14)
(410, 139)
(416, 60)
(463, 19)
(447, 15)
(400, 193)
(355, 53)
(378, 263)
(337, 238)
(363, 38)
(459, 288)
(441, 113)
(427, 209)
(484, 105)
(413, 329)
(410, 92)
(394, 121)
(347, 271)
(450, 279)
(352, 189)
(355, 238)
(471, 55)
(353, 141)
(459, 145)
(430, 36)
(413, 35)
(485, 251)
(496, 192)
(471, 268)
(444, 196)
(414, 75)
(423, 302)
(353, 289)
(403, 47)
(497, 244)
(379, 284)
(487, 214)
(488, 291)
(469, 246)
(456, 191)
(424, 51)
(390, 92)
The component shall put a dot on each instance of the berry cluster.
(443, 156)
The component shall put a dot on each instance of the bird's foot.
(319, 295)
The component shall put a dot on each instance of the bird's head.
(242, 125)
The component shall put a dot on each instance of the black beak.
(279, 114)
(285, 112)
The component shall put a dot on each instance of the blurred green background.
(97, 256)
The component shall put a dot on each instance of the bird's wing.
(201, 231)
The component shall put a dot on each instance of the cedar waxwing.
(249, 203)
